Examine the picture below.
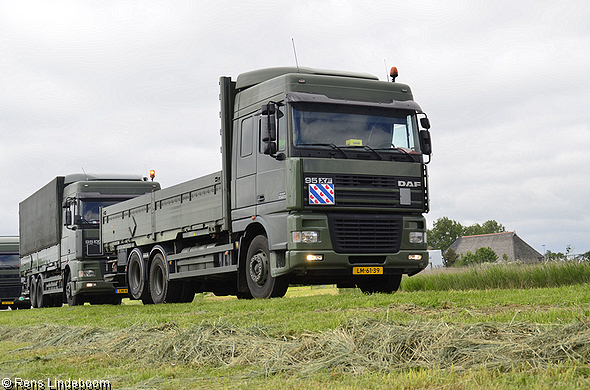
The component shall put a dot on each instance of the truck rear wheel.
(136, 277)
(260, 281)
(33, 291)
(161, 288)
(39, 297)
(385, 284)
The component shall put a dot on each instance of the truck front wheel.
(72, 300)
(260, 281)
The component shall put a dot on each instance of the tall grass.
(502, 276)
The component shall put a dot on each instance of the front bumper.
(336, 268)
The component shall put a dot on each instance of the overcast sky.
(128, 86)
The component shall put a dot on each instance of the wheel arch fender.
(154, 251)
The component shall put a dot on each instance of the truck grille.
(375, 191)
(365, 233)
(10, 292)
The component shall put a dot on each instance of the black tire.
(188, 292)
(72, 300)
(41, 299)
(260, 282)
(33, 291)
(56, 300)
(161, 288)
(137, 277)
(385, 284)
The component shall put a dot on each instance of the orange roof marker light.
(152, 174)
(393, 73)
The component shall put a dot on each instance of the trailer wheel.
(72, 300)
(260, 282)
(161, 288)
(385, 284)
(136, 277)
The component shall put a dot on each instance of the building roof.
(508, 246)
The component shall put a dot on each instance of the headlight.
(308, 236)
(417, 237)
(87, 273)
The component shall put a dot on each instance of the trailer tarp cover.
(40, 218)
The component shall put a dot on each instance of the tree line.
(446, 231)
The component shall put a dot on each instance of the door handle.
(260, 198)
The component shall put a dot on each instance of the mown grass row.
(501, 276)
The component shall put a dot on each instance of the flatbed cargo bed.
(191, 208)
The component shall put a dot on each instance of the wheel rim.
(259, 268)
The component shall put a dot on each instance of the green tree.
(488, 227)
(554, 256)
(450, 257)
(443, 233)
(486, 255)
(481, 255)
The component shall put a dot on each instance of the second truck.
(323, 181)
(61, 255)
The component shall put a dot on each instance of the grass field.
(489, 338)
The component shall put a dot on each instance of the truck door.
(245, 149)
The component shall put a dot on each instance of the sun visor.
(295, 97)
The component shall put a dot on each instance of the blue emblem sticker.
(321, 194)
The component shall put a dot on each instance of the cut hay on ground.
(357, 347)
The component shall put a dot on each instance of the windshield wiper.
(333, 146)
(366, 147)
(401, 150)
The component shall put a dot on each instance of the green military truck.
(323, 181)
(61, 256)
(10, 282)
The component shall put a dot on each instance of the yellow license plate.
(121, 291)
(8, 303)
(367, 270)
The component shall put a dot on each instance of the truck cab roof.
(74, 177)
(248, 79)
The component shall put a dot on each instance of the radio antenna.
(386, 72)
(85, 173)
(295, 53)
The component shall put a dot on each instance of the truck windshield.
(90, 211)
(9, 260)
(342, 126)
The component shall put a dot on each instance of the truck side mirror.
(268, 123)
(425, 123)
(68, 217)
(425, 143)
(268, 129)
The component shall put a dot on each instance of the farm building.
(506, 245)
